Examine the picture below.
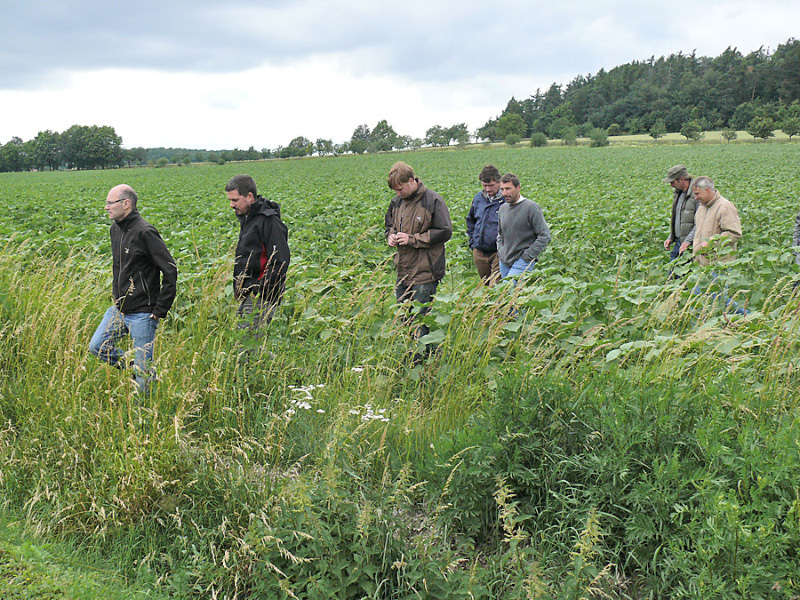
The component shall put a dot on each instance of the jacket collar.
(126, 222)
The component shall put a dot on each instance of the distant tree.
(488, 131)
(744, 113)
(512, 139)
(729, 134)
(538, 140)
(761, 127)
(417, 143)
(359, 141)
(615, 129)
(691, 130)
(599, 138)
(323, 147)
(789, 119)
(569, 136)
(510, 124)
(47, 150)
(403, 142)
(12, 155)
(658, 130)
(299, 146)
(136, 155)
(162, 162)
(339, 149)
(437, 136)
(382, 138)
(459, 134)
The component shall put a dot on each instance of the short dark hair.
(244, 184)
(127, 193)
(510, 178)
(489, 173)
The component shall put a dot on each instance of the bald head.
(120, 202)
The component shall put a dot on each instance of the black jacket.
(262, 254)
(140, 258)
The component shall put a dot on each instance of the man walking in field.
(144, 285)
(417, 224)
(482, 225)
(716, 216)
(716, 219)
(262, 254)
(522, 232)
(684, 207)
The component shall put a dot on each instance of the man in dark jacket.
(262, 254)
(145, 279)
(482, 225)
(418, 224)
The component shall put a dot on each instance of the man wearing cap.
(684, 207)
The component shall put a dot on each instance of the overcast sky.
(214, 75)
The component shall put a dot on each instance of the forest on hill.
(727, 91)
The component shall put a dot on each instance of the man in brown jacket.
(418, 224)
(716, 216)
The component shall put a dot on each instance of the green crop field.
(618, 436)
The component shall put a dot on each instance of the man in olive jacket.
(684, 206)
(417, 224)
(145, 281)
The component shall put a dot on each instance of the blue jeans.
(518, 268)
(142, 329)
(675, 251)
(729, 302)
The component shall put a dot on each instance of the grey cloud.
(431, 40)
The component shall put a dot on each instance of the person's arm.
(439, 232)
(163, 260)
(796, 237)
(730, 224)
(542, 232)
(390, 229)
(275, 248)
(471, 221)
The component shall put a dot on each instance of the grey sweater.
(522, 232)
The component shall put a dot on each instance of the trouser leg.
(104, 341)
(142, 328)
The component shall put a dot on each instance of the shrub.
(599, 138)
(538, 140)
(512, 139)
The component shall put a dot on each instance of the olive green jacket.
(687, 216)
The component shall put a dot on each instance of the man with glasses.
(144, 285)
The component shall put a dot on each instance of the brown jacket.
(718, 217)
(426, 220)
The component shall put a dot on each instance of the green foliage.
(512, 139)
(658, 130)
(593, 427)
(692, 131)
(715, 91)
(761, 127)
(730, 135)
(538, 140)
(569, 136)
(510, 125)
(599, 138)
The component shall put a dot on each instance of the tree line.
(757, 93)
(684, 93)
